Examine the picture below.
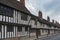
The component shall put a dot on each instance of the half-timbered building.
(16, 21)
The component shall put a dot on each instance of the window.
(24, 17)
(4, 10)
(47, 25)
(35, 22)
(43, 25)
(1, 9)
(10, 28)
(32, 30)
(46, 30)
(19, 29)
(26, 28)
(40, 24)
(51, 30)
(42, 30)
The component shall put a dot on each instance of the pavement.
(50, 37)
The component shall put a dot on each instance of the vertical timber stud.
(11, 32)
(14, 31)
(5, 31)
(7, 28)
(2, 31)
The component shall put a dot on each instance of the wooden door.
(38, 33)
(48, 31)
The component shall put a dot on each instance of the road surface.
(53, 37)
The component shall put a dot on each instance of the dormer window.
(24, 17)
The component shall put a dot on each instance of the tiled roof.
(41, 20)
(16, 5)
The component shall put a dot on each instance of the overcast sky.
(48, 7)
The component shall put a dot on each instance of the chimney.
(57, 22)
(40, 14)
(52, 21)
(48, 18)
(22, 2)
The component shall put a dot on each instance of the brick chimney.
(57, 22)
(22, 2)
(52, 21)
(40, 14)
(48, 18)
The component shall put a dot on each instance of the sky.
(49, 8)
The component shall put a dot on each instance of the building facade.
(17, 21)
